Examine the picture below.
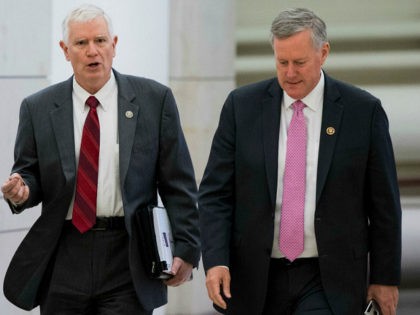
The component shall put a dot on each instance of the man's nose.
(91, 49)
(291, 70)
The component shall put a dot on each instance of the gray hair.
(85, 13)
(292, 21)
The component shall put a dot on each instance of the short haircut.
(84, 13)
(292, 21)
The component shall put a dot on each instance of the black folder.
(155, 240)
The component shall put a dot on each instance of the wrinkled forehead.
(91, 28)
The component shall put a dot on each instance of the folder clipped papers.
(156, 241)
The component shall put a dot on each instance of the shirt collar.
(102, 95)
(313, 100)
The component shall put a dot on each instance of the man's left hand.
(386, 297)
(182, 272)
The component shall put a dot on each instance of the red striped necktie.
(84, 210)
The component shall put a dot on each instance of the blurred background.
(203, 49)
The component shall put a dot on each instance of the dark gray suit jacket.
(357, 198)
(153, 155)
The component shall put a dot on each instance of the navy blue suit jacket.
(357, 197)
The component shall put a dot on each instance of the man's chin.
(296, 94)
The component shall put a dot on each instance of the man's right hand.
(15, 190)
(217, 279)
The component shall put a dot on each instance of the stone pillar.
(24, 69)
(202, 53)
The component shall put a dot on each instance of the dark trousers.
(295, 288)
(91, 276)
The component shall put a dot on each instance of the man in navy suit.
(142, 151)
(352, 213)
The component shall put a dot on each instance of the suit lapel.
(331, 117)
(127, 122)
(62, 122)
(271, 126)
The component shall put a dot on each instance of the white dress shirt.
(109, 200)
(313, 116)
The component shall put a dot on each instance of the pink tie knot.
(298, 106)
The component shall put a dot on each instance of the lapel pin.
(129, 114)
(330, 131)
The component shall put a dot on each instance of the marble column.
(202, 52)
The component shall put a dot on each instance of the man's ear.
(65, 49)
(114, 43)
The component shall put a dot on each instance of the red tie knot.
(92, 102)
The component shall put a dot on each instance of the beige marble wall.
(202, 53)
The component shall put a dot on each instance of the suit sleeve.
(26, 158)
(216, 194)
(384, 205)
(177, 185)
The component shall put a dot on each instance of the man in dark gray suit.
(351, 206)
(142, 151)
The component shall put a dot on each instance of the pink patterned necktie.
(84, 210)
(292, 212)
